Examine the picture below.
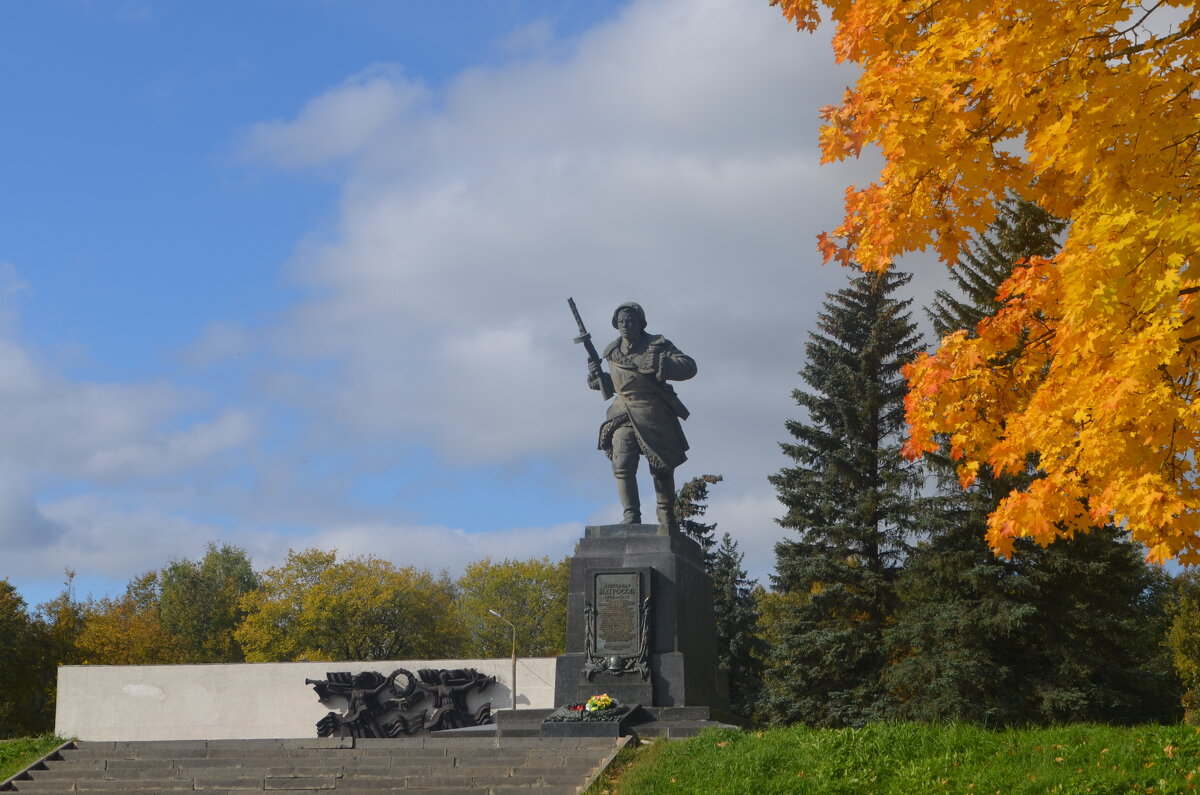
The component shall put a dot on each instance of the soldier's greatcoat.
(645, 401)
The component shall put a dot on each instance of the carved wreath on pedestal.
(379, 706)
(614, 664)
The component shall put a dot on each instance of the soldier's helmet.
(637, 311)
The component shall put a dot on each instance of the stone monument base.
(680, 665)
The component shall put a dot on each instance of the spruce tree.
(850, 497)
(740, 650)
(1021, 230)
(1069, 632)
(691, 503)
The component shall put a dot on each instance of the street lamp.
(514, 656)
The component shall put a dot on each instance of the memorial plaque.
(618, 600)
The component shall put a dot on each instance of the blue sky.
(122, 136)
(292, 274)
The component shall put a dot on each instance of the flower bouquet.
(602, 707)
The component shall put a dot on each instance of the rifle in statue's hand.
(605, 379)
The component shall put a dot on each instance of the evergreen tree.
(740, 650)
(1021, 230)
(691, 502)
(1070, 632)
(851, 498)
(1098, 640)
(735, 607)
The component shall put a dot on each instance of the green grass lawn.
(20, 753)
(907, 759)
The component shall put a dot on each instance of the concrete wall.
(245, 701)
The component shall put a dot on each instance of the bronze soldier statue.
(643, 419)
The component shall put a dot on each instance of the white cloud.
(11, 282)
(435, 548)
(12, 285)
(173, 452)
(220, 340)
(109, 432)
(50, 422)
(533, 38)
(84, 443)
(23, 525)
(339, 123)
(750, 518)
(98, 537)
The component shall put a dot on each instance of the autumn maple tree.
(1090, 364)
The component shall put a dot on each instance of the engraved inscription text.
(618, 599)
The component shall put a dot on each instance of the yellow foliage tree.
(1091, 110)
(364, 608)
(532, 594)
(127, 630)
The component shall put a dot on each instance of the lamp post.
(514, 656)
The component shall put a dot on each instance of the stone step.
(675, 729)
(711, 714)
(520, 723)
(443, 765)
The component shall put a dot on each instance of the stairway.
(462, 764)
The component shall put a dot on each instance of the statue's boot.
(664, 491)
(627, 490)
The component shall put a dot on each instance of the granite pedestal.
(682, 647)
